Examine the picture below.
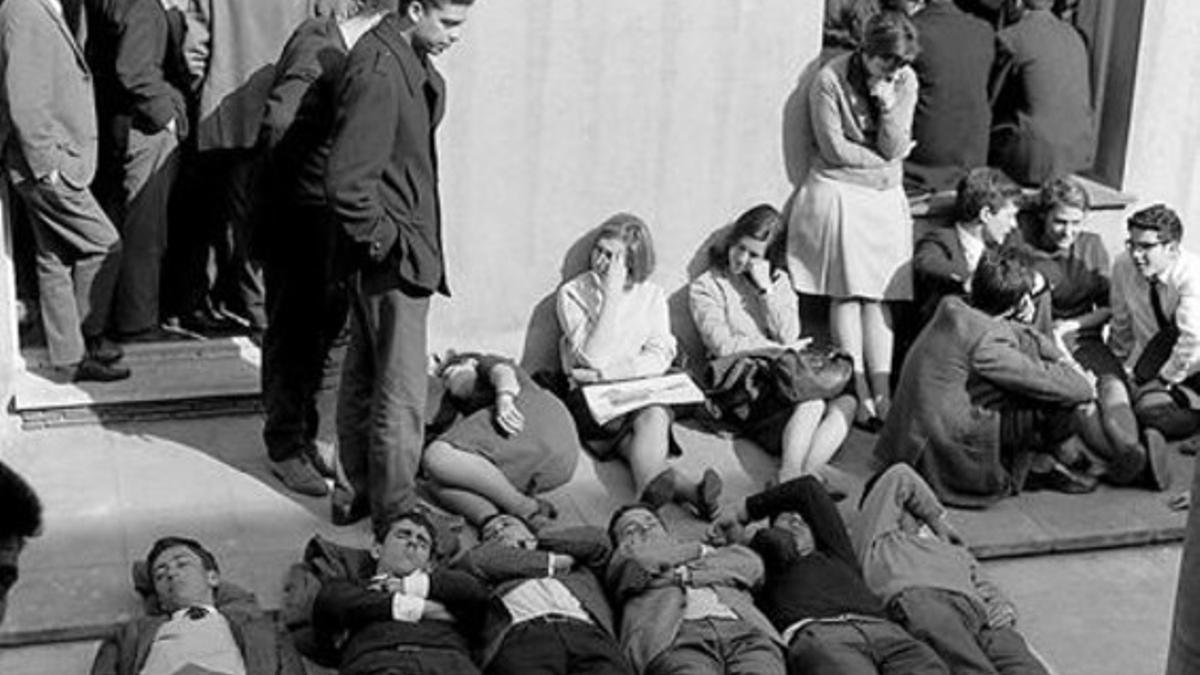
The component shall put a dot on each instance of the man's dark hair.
(1161, 219)
(206, 559)
(20, 508)
(1000, 281)
(382, 529)
(628, 508)
(980, 187)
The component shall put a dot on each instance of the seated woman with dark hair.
(508, 440)
(1076, 265)
(742, 303)
(616, 326)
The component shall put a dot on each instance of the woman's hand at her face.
(759, 272)
(615, 274)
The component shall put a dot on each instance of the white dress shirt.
(207, 643)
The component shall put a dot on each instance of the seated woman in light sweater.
(616, 326)
(739, 304)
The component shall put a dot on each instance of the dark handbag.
(815, 372)
(756, 384)
(1156, 353)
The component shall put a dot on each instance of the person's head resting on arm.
(1059, 212)
(1153, 243)
(20, 519)
(625, 237)
(751, 240)
(432, 26)
(1003, 286)
(986, 202)
(404, 545)
(635, 524)
(184, 573)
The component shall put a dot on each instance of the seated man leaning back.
(410, 618)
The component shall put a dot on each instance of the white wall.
(562, 112)
(1163, 156)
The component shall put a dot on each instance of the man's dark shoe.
(204, 322)
(156, 334)
(660, 490)
(1059, 479)
(299, 476)
(1126, 465)
(103, 350)
(347, 508)
(1157, 474)
(91, 370)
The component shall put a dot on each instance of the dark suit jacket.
(503, 568)
(360, 619)
(1044, 89)
(939, 269)
(127, 50)
(264, 650)
(381, 179)
(964, 369)
(47, 107)
(953, 116)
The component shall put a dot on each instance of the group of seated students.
(889, 590)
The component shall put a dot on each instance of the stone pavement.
(110, 491)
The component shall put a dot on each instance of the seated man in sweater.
(407, 618)
(686, 607)
(814, 592)
(548, 612)
(914, 561)
(195, 622)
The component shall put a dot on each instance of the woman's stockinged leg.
(845, 322)
(877, 348)
(467, 504)
(832, 430)
(645, 446)
(797, 441)
(454, 468)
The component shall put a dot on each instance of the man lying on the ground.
(409, 618)
(20, 519)
(814, 592)
(548, 612)
(197, 623)
(685, 606)
(914, 561)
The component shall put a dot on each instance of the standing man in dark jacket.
(381, 180)
(953, 115)
(296, 235)
(142, 116)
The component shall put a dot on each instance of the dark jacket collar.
(417, 69)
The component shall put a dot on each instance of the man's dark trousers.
(957, 630)
(149, 164)
(381, 401)
(860, 647)
(306, 309)
(558, 647)
(78, 255)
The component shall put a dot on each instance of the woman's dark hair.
(20, 508)
(639, 247)
(206, 559)
(1000, 281)
(891, 36)
(761, 223)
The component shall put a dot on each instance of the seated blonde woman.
(740, 304)
(505, 440)
(616, 326)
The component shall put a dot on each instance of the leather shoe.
(1059, 479)
(347, 508)
(299, 476)
(660, 490)
(105, 351)
(1126, 465)
(1157, 473)
(92, 370)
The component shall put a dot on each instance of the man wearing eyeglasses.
(1156, 322)
(409, 617)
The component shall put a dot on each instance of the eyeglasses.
(1142, 246)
